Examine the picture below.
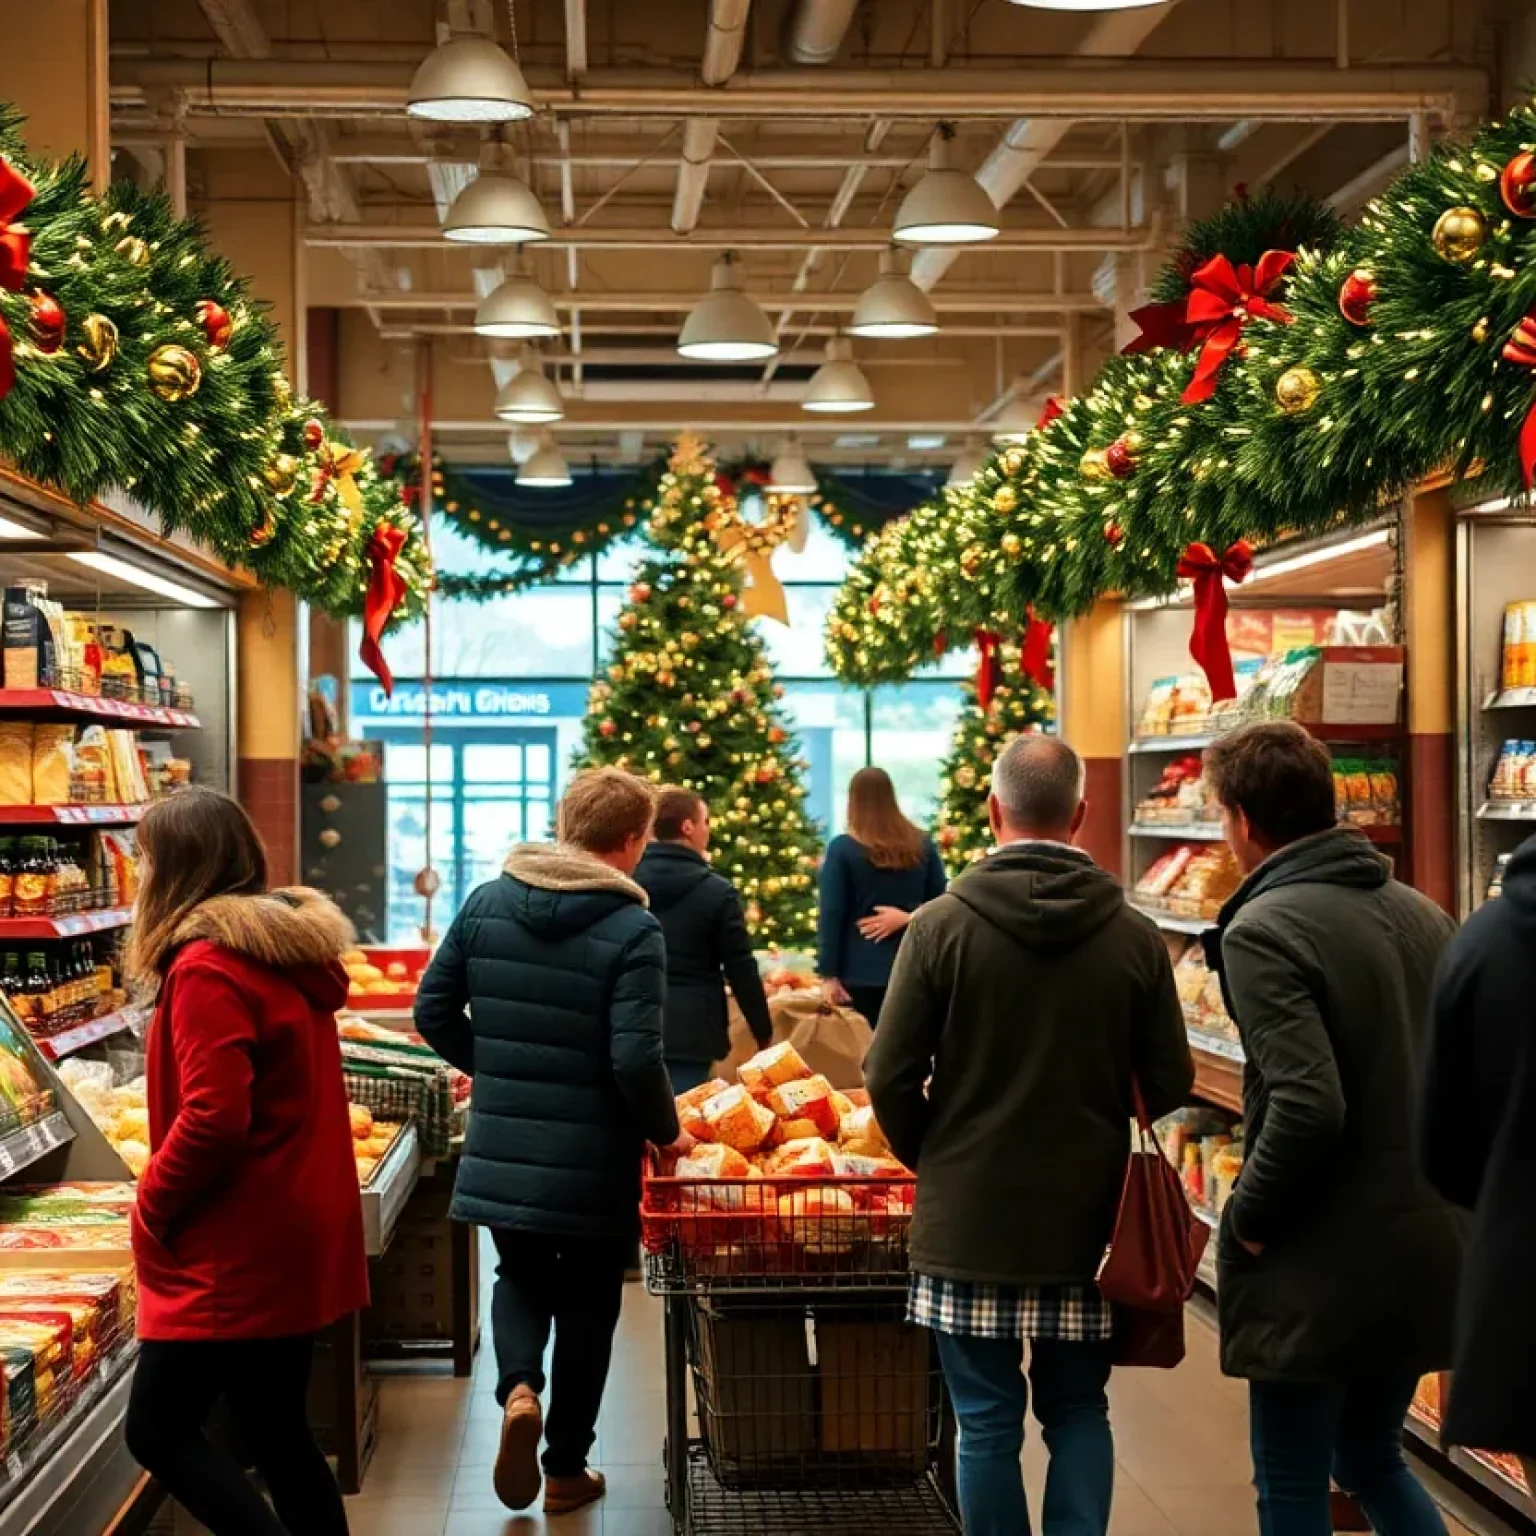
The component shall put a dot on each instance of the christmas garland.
(132, 356)
(535, 556)
(1299, 391)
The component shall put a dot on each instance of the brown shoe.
(517, 1475)
(563, 1494)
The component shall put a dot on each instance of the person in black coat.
(706, 934)
(1478, 1141)
(548, 991)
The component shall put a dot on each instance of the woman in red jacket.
(248, 1233)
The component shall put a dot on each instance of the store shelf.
(68, 1041)
(1330, 733)
(1507, 810)
(21, 1148)
(1216, 1045)
(386, 1193)
(1488, 1476)
(1218, 1079)
(70, 815)
(1191, 832)
(1511, 698)
(57, 703)
(1210, 1218)
(1170, 924)
(82, 1455)
(1171, 743)
(17, 930)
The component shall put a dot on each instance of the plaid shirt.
(1076, 1313)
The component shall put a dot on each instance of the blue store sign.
(469, 699)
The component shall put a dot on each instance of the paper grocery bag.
(831, 1040)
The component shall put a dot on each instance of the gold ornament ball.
(1133, 441)
(1013, 461)
(133, 250)
(1480, 331)
(1005, 499)
(1459, 234)
(1297, 389)
(1012, 545)
(174, 373)
(98, 345)
(281, 474)
(1094, 465)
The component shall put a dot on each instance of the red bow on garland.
(1222, 300)
(1208, 644)
(1053, 411)
(1521, 349)
(989, 669)
(1035, 656)
(386, 591)
(15, 252)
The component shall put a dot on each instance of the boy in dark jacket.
(1337, 1263)
(706, 934)
(1026, 1000)
(563, 972)
(1478, 1141)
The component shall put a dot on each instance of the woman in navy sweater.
(873, 878)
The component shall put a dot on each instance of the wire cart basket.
(819, 1408)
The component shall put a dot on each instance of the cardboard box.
(877, 1390)
(756, 1389)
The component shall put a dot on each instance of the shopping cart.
(819, 1408)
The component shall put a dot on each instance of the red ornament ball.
(607, 728)
(729, 600)
(767, 774)
(216, 324)
(47, 322)
(1119, 459)
(314, 434)
(874, 603)
(1356, 295)
(1517, 185)
(1113, 534)
(777, 734)
(640, 592)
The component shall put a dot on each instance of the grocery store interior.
(406, 404)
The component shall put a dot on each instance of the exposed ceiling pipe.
(575, 38)
(1359, 189)
(815, 30)
(722, 53)
(1029, 141)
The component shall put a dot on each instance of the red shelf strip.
(70, 815)
(56, 701)
(14, 929)
(68, 1041)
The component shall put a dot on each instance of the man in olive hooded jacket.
(1022, 1006)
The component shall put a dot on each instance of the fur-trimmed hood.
(562, 890)
(298, 931)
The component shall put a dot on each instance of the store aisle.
(1181, 1445)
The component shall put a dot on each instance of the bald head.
(1037, 790)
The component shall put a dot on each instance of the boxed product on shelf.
(1366, 791)
(1517, 661)
(1188, 881)
(1180, 797)
(1176, 706)
(1514, 772)
(120, 1110)
(1496, 882)
(1329, 685)
(1206, 1146)
(1200, 994)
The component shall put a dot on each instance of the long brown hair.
(875, 820)
(197, 845)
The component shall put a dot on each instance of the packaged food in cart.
(808, 1158)
(714, 1160)
(861, 1134)
(820, 1219)
(771, 1068)
(808, 1099)
(737, 1119)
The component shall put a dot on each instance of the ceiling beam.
(237, 27)
(587, 237)
(579, 418)
(1133, 89)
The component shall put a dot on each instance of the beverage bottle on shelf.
(39, 987)
(88, 983)
(7, 875)
(30, 886)
(13, 985)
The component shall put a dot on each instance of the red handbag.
(1148, 1270)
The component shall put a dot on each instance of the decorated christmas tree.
(689, 697)
(1018, 704)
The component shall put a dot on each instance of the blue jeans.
(987, 1386)
(1302, 1433)
(687, 1075)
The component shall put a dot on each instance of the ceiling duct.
(815, 30)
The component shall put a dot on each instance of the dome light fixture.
(791, 473)
(948, 206)
(528, 398)
(838, 387)
(545, 469)
(970, 462)
(469, 79)
(496, 208)
(726, 325)
(893, 307)
(518, 309)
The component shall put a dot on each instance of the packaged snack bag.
(808, 1098)
(713, 1161)
(809, 1158)
(696, 1098)
(854, 1165)
(737, 1119)
(862, 1136)
(778, 1064)
(819, 1219)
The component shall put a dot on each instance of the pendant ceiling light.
(496, 208)
(545, 469)
(970, 463)
(839, 385)
(469, 80)
(893, 307)
(726, 325)
(791, 472)
(948, 206)
(521, 446)
(528, 398)
(517, 310)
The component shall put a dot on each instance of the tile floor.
(1180, 1437)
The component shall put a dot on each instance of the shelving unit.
(1192, 832)
(1484, 1472)
(19, 930)
(58, 704)
(385, 1195)
(68, 1041)
(1171, 924)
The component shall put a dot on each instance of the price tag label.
(1361, 693)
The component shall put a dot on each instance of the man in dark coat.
(1022, 1006)
(1478, 1140)
(1337, 1263)
(562, 971)
(706, 934)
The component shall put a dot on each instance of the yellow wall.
(53, 66)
